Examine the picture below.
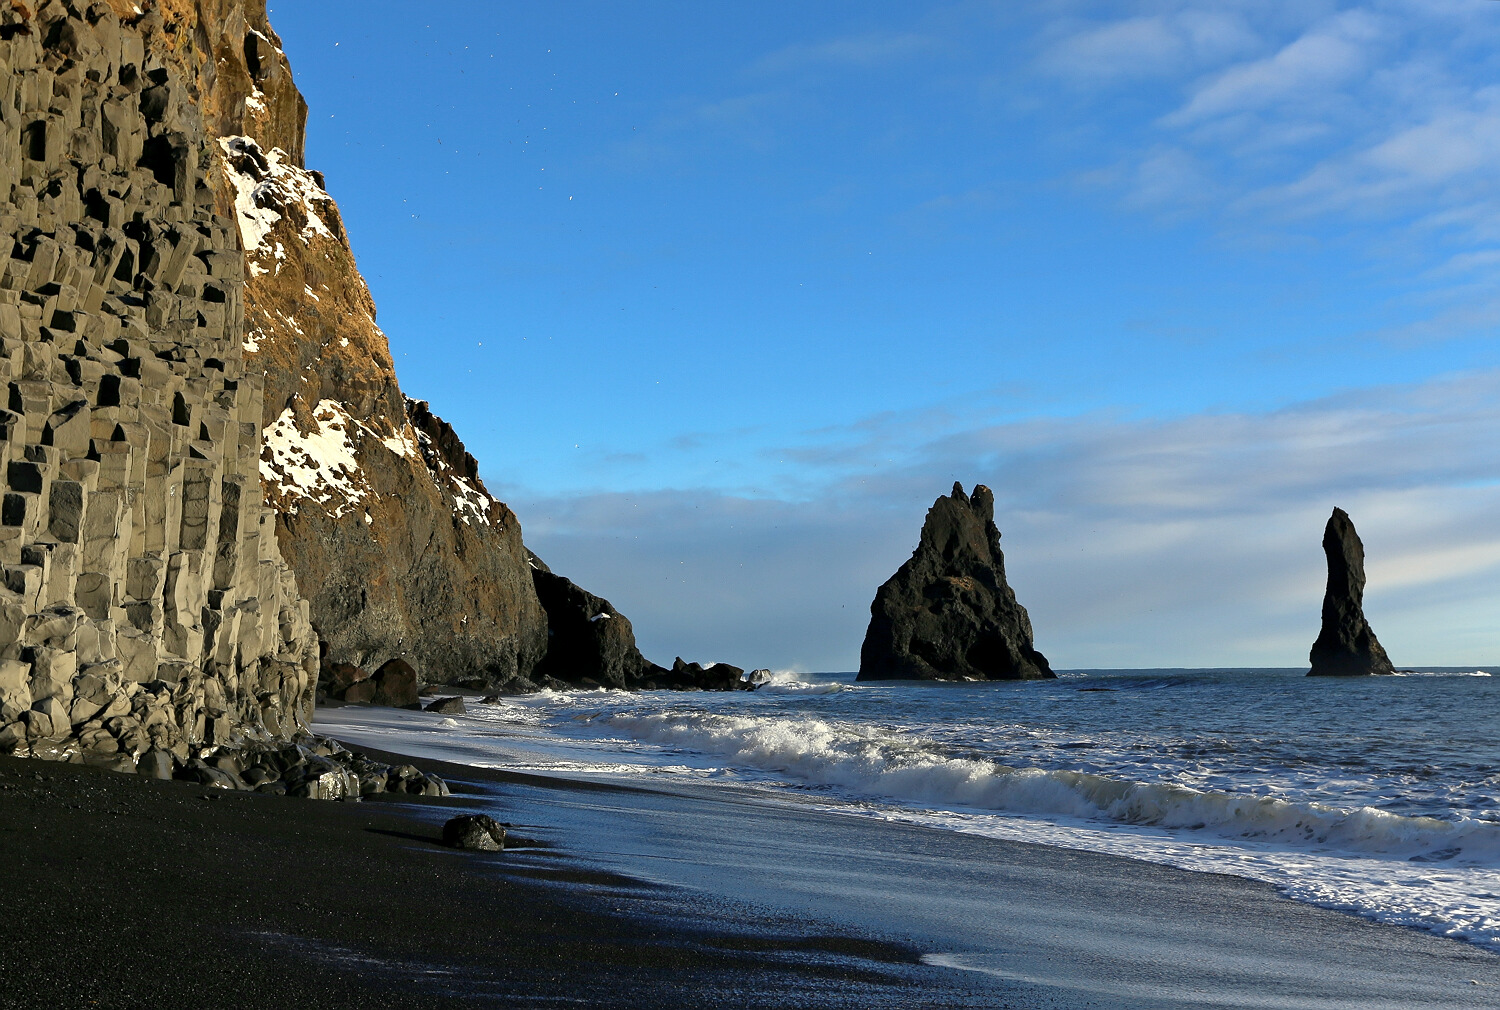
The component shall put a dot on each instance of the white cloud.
(1370, 126)
(1326, 57)
(872, 49)
(1148, 46)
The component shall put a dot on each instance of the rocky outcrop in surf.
(591, 644)
(948, 613)
(1346, 646)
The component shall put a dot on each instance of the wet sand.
(131, 893)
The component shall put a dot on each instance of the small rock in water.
(447, 706)
(476, 832)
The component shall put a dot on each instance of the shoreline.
(1403, 868)
(129, 892)
(132, 892)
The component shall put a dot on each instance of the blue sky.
(723, 296)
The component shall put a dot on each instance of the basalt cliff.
(215, 488)
(948, 613)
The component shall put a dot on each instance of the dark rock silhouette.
(1346, 647)
(948, 613)
(476, 832)
(395, 684)
(591, 644)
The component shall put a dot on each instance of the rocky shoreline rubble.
(310, 767)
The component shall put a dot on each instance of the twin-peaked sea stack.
(948, 613)
(1347, 646)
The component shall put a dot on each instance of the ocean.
(1374, 796)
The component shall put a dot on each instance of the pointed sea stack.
(948, 614)
(1347, 646)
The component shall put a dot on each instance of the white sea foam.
(956, 760)
(792, 682)
(1441, 673)
(893, 765)
(1436, 875)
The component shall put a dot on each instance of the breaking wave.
(889, 765)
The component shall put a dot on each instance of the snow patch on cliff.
(266, 186)
(469, 503)
(402, 444)
(317, 466)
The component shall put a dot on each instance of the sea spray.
(874, 763)
(1377, 797)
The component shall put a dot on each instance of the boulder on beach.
(447, 706)
(396, 684)
(1346, 646)
(948, 613)
(476, 832)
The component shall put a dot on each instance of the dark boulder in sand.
(361, 693)
(477, 832)
(447, 706)
(1347, 646)
(948, 613)
(396, 684)
(342, 676)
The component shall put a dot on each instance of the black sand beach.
(134, 893)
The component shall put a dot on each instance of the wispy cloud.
(1148, 45)
(1312, 118)
(873, 49)
(1323, 59)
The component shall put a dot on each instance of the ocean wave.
(908, 769)
(1441, 673)
(792, 682)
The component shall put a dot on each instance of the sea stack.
(1346, 647)
(948, 613)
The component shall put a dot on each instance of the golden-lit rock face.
(401, 550)
(188, 337)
